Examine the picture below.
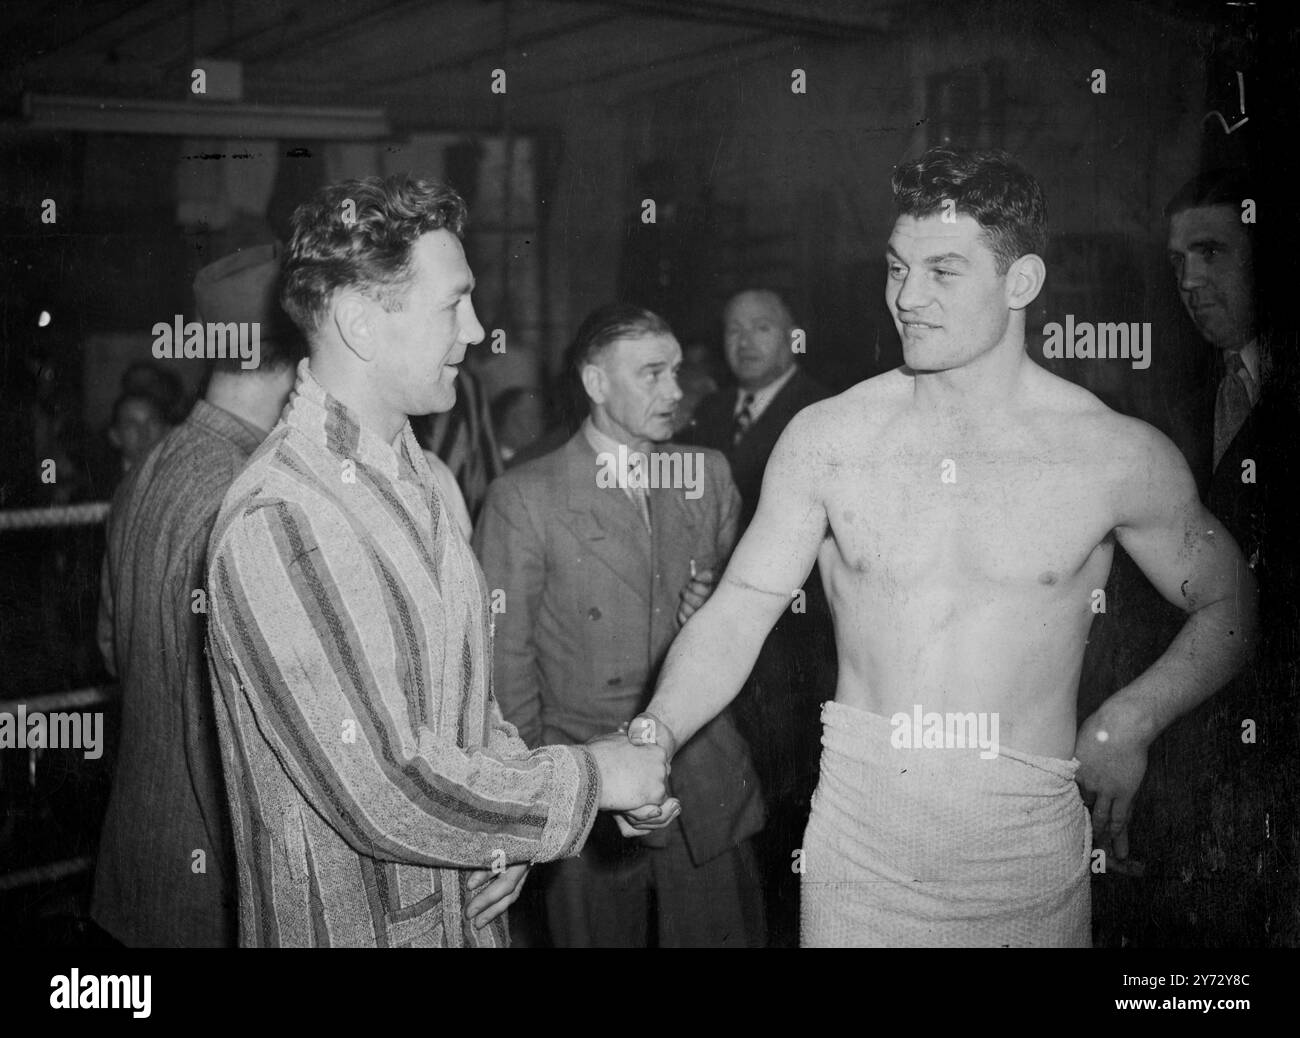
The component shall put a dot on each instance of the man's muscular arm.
(716, 650)
(1194, 562)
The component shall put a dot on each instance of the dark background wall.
(764, 185)
(618, 103)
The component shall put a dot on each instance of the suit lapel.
(1240, 444)
(768, 426)
(783, 406)
(605, 520)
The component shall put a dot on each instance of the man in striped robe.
(377, 796)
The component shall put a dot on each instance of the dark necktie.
(1231, 404)
(744, 419)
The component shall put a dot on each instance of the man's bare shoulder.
(831, 433)
(1048, 397)
(890, 390)
(846, 417)
(1079, 420)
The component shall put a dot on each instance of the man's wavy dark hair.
(1224, 186)
(990, 186)
(366, 245)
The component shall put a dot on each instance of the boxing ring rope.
(88, 514)
(45, 518)
(50, 702)
(45, 873)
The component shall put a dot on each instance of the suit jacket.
(715, 419)
(168, 798)
(1267, 438)
(1257, 505)
(589, 612)
(1223, 811)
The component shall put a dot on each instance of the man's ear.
(1025, 280)
(351, 313)
(594, 381)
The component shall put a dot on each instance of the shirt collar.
(764, 396)
(603, 443)
(329, 422)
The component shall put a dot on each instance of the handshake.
(634, 767)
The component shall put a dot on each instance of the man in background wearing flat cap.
(165, 873)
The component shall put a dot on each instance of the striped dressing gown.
(366, 761)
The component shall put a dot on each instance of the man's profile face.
(943, 289)
(756, 339)
(641, 391)
(421, 344)
(1209, 249)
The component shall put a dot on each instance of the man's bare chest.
(935, 517)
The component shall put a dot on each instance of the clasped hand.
(634, 771)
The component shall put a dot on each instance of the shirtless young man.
(963, 508)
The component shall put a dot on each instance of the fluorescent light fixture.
(203, 118)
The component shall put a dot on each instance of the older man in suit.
(780, 712)
(595, 564)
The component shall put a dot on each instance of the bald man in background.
(744, 421)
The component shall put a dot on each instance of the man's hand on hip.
(1112, 760)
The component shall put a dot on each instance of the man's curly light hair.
(360, 234)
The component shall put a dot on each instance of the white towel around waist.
(940, 847)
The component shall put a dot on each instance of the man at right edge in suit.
(1223, 791)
